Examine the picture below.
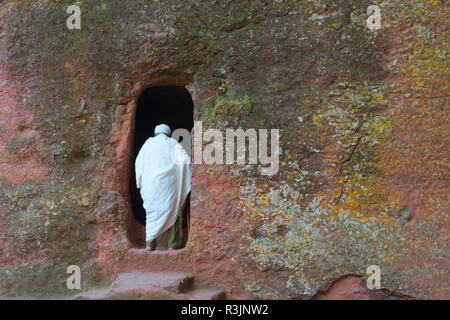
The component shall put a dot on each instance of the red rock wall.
(362, 115)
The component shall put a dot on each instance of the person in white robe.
(163, 175)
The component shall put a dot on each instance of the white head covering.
(163, 128)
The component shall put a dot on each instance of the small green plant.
(223, 87)
(224, 106)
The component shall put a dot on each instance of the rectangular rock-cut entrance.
(170, 105)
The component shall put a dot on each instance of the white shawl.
(163, 175)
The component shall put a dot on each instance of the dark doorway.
(173, 106)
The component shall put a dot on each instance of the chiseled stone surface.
(363, 176)
(154, 286)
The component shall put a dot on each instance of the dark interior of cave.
(171, 105)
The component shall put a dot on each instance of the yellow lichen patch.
(416, 155)
(352, 158)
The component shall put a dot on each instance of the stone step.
(205, 294)
(153, 286)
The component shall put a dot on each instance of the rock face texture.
(363, 117)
